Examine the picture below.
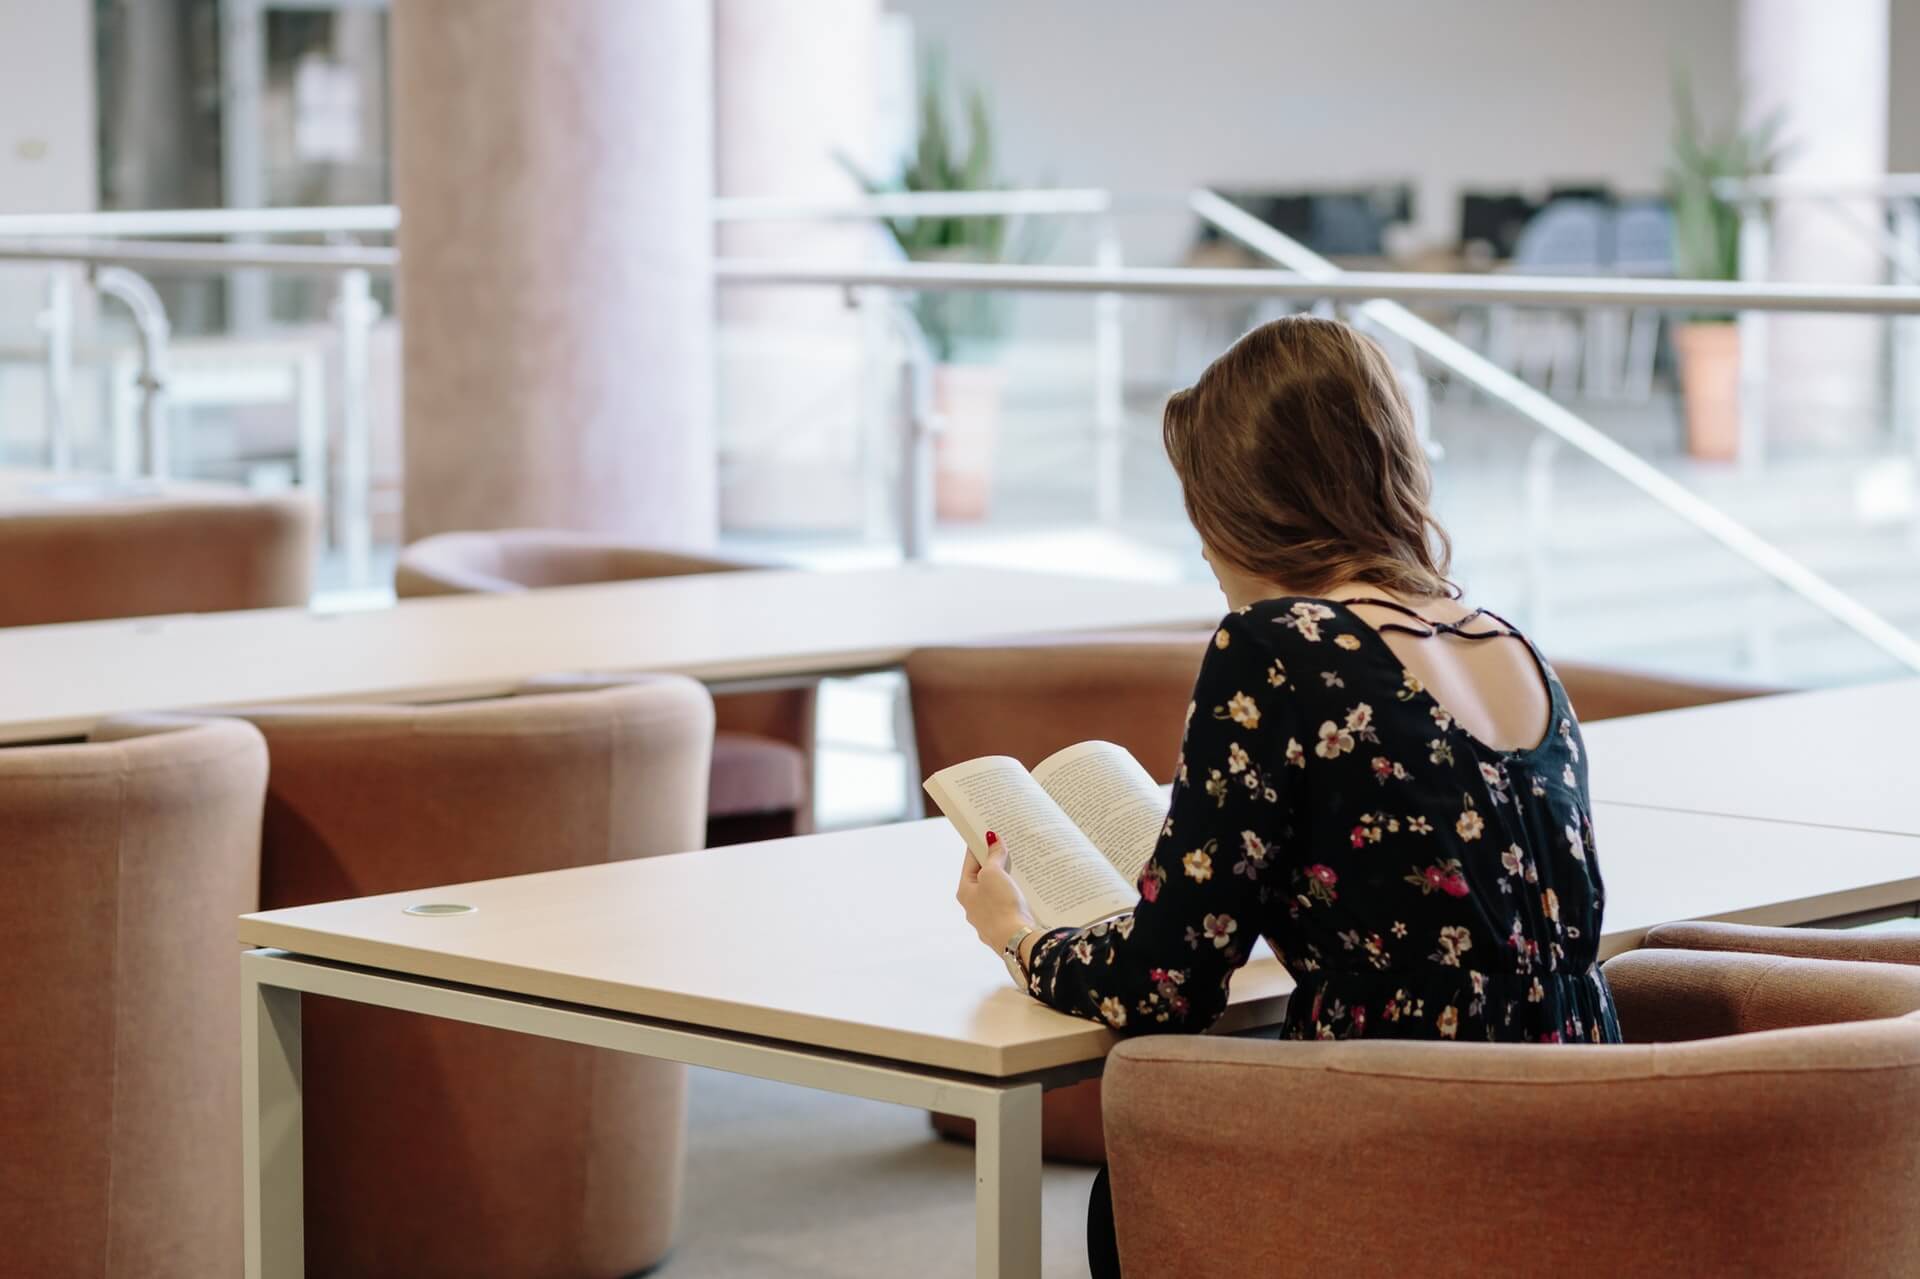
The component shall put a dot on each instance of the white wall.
(1145, 95)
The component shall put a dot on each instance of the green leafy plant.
(1706, 226)
(959, 323)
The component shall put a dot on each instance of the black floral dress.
(1416, 883)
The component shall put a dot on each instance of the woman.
(1385, 784)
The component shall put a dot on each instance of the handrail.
(315, 259)
(1356, 286)
(381, 219)
(1353, 286)
(150, 319)
(1531, 403)
(363, 218)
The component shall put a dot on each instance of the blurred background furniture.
(762, 781)
(1029, 700)
(1491, 222)
(512, 1155)
(1578, 230)
(82, 552)
(1642, 248)
(126, 865)
(1353, 224)
(1805, 1142)
(1570, 236)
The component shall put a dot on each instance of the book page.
(1067, 881)
(1106, 793)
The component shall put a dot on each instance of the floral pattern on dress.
(1415, 882)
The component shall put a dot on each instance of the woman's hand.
(993, 902)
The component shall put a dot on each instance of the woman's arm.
(1166, 964)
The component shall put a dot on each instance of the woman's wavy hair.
(1299, 463)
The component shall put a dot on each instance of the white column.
(1823, 65)
(794, 84)
(553, 164)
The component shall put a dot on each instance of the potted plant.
(1706, 246)
(962, 327)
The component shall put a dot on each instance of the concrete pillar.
(553, 163)
(1823, 65)
(794, 85)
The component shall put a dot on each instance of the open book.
(1078, 829)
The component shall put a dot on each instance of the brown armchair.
(440, 1149)
(1029, 700)
(762, 777)
(1609, 692)
(126, 866)
(1792, 1151)
(1869, 945)
(161, 555)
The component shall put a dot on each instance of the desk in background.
(1841, 758)
(722, 628)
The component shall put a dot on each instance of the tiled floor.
(788, 1183)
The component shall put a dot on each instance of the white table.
(722, 628)
(845, 966)
(1837, 757)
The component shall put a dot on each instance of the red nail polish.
(992, 838)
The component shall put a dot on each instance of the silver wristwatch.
(1011, 953)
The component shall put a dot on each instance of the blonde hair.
(1299, 463)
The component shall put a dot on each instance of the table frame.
(1005, 1111)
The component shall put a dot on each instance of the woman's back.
(1474, 897)
(1479, 668)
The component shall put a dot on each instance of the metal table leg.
(274, 1209)
(1006, 1193)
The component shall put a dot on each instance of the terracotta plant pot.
(966, 399)
(1710, 385)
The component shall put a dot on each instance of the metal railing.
(1377, 299)
(340, 219)
(109, 265)
(1249, 283)
(203, 259)
(1576, 432)
(1355, 286)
